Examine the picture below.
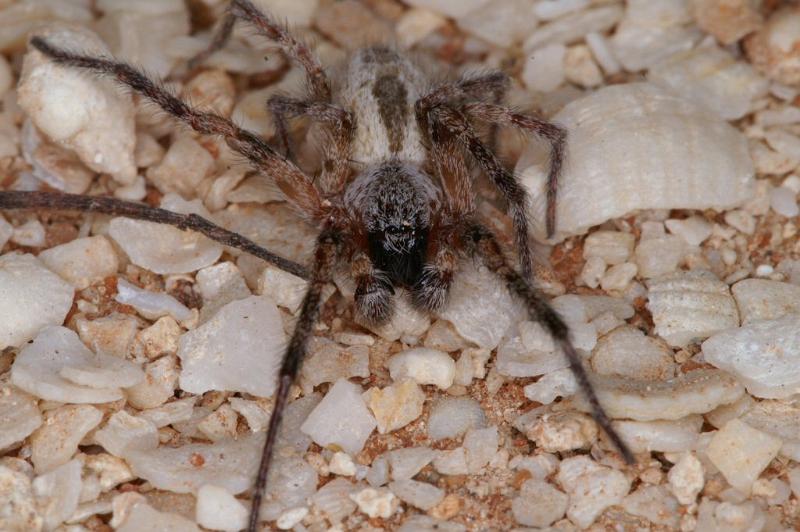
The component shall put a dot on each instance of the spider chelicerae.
(404, 217)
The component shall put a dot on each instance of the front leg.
(430, 291)
(374, 297)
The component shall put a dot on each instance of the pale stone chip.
(161, 379)
(654, 503)
(691, 306)
(424, 366)
(628, 352)
(396, 405)
(57, 493)
(82, 261)
(151, 305)
(31, 297)
(19, 416)
(741, 453)
(419, 494)
(764, 355)
(451, 417)
(144, 517)
(592, 488)
(660, 436)
(341, 419)
(228, 464)
(18, 509)
(333, 499)
(479, 306)
(762, 299)
(112, 334)
(57, 440)
(123, 432)
(162, 248)
(696, 392)
(686, 478)
(217, 509)
(239, 349)
(81, 112)
(378, 502)
(38, 368)
(539, 504)
(405, 463)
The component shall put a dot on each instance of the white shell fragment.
(696, 392)
(218, 509)
(761, 299)
(424, 366)
(229, 464)
(341, 419)
(764, 355)
(592, 488)
(31, 297)
(19, 416)
(741, 453)
(80, 111)
(539, 504)
(142, 516)
(690, 306)
(57, 440)
(164, 249)
(239, 349)
(82, 261)
(713, 78)
(40, 367)
(638, 146)
(151, 305)
(627, 351)
(419, 494)
(660, 436)
(57, 493)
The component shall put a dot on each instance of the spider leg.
(481, 242)
(339, 126)
(429, 293)
(374, 297)
(555, 135)
(514, 193)
(469, 88)
(12, 200)
(297, 187)
(218, 42)
(318, 81)
(328, 248)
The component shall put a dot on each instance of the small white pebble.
(614, 247)
(424, 366)
(342, 464)
(30, 234)
(741, 220)
(218, 509)
(741, 453)
(544, 68)
(593, 271)
(553, 9)
(378, 502)
(686, 479)
(618, 277)
(290, 518)
(764, 270)
(603, 53)
(783, 200)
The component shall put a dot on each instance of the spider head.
(396, 201)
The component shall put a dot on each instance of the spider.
(403, 219)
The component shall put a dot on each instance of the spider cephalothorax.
(406, 219)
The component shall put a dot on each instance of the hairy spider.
(404, 218)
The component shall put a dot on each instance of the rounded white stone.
(424, 366)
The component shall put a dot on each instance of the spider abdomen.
(381, 89)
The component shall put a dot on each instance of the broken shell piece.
(79, 111)
(395, 406)
(696, 392)
(38, 368)
(660, 436)
(31, 297)
(19, 416)
(638, 146)
(764, 355)
(239, 349)
(761, 299)
(151, 305)
(741, 453)
(165, 249)
(687, 306)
